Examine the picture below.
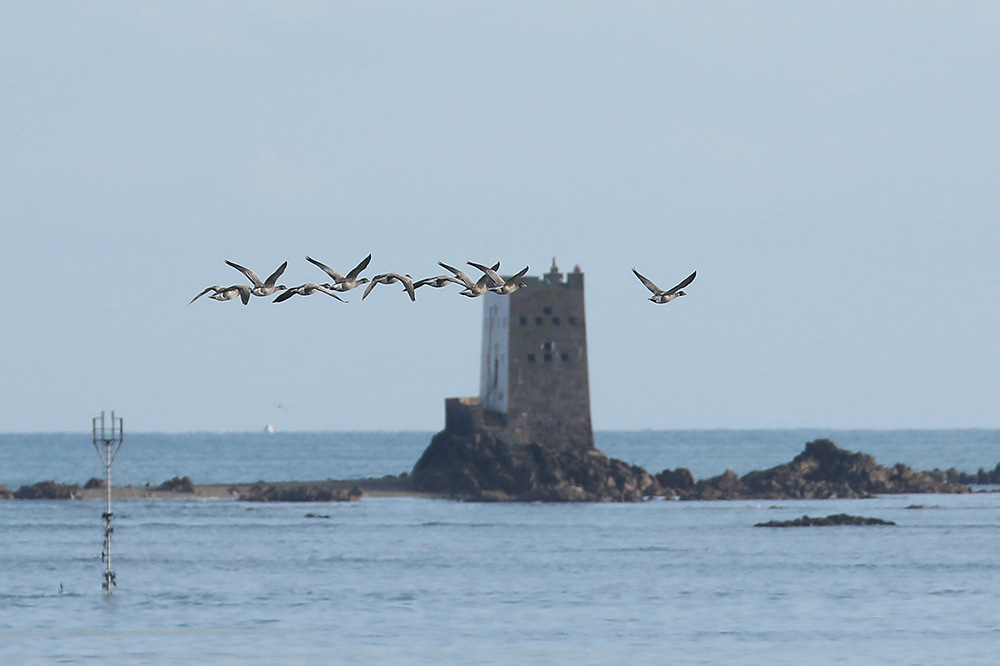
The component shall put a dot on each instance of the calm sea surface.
(413, 581)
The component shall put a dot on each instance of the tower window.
(547, 310)
(555, 321)
(523, 321)
(538, 321)
(531, 358)
(548, 358)
(564, 357)
(548, 346)
(571, 320)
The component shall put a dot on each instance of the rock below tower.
(528, 435)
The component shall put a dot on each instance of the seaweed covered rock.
(822, 471)
(489, 468)
(833, 520)
(47, 490)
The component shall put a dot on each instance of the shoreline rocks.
(952, 475)
(489, 467)
(178, 485)
(822, 471)
(299, 492)
(47, 490)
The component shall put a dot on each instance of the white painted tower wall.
(493, 373)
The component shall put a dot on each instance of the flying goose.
(437, 281)
(226, 293)
(661, 296)
(501, 286)
(262, 287)
(472, 289)
(308, 289)
(341, 283)
(391, 278)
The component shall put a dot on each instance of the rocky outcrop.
(952, 475)
(822, 471)
(47, 490)
(6, 493)
(829, 521)
(674, 482)
(485, 467)
(177, 485)
(299, 492)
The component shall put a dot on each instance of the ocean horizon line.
(421, 431)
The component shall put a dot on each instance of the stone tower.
(533, 375)
(527, 435)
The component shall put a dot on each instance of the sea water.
(418, 581)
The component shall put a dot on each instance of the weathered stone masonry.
(533, 377)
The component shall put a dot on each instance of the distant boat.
(270, 428)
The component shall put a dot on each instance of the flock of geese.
(490, 281)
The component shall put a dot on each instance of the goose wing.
(408, 283)
(466, 280)
(216, 288)
(273, 277)
(646, 281)
(353, 275)
(244, 290)
(326, 289)
(481, 283)
(326, 269)
(518, 276)
(683, 283)
(437, 281)
(433, 281)
(491, 273)
(288, 293)
(246, 271)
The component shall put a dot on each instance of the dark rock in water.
(822, 471)
(299, 492)
(486, 467)
(676, 481)
(488, 464)
(47, 490)
(829, 521)
(725, 486)
(178, 485)
(94, 482)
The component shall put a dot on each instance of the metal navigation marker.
(107, 441)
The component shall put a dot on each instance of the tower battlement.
(533, 372)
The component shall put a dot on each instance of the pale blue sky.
(831, 170)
